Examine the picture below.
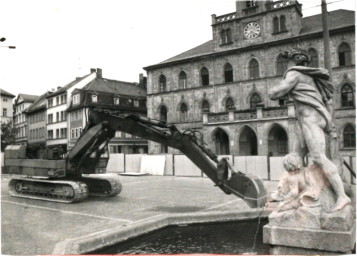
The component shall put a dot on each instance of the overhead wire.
(315, 6)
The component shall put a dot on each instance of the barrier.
(133, 162)
(254, 165)
(183, 166)
(276, 167)
(116, 163)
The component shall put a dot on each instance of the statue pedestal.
(307, 231)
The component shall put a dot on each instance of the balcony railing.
(226, 17)
(276, 112)
(281, 4)
(248, 115)
(218, 117)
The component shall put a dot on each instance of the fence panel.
(185, 167)
(133, 162)
(116, 163)
(153, 164)
(276, 167)
(2, 159)
(255, 165)
(169, 165)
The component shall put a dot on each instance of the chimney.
(99, 73)
(142, 80)
(92, 70)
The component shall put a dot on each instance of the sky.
(59, 40)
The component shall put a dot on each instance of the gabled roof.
(115, 87)
(5, 93)
(336, 19)
(28, 97)
(311, 24)
(66, 87)
(40, 103)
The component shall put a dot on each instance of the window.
(162, 83)
(63, 99)
(136, 103)
(282, 65)
(226, 36)
(57, 117)
(344, 55)
(347, 98)
(204, 76)
(205, 106)
(57, 100)
(255, 100)
(223, 36)
(275, 25)
(182, 80)
(183, 112)
(117, 134)
(4, 112)
(50, 103)
(50, 134)
(50, 119)
(63, 116)
(163, 114)
(63, 133)
(94, 98)
(4, 99)
(116, 101)
(57, 133)
(229, 104)
(253, 69)
(251, 3)
(314, 58)
(349, 137)
(75, 99)
(72, 133)
(282, 23)
(228, 73)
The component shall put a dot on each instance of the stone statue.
(311, 92)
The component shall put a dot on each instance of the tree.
(8, 135)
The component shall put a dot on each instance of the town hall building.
(220, 87)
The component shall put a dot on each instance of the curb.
(99, 240)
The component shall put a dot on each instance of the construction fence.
(266, 168)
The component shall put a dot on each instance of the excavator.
(68, 180)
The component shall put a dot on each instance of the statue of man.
(310, 90)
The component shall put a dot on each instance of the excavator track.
(102, 186)
(62, 191)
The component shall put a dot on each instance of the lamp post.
(2, 39)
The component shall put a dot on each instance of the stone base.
(308, 239)
(286, 250)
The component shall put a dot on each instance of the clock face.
(251, 30)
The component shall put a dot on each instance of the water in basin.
(217, 238)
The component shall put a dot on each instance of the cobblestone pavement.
(35, 227)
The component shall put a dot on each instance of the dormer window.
(116, 101)
(75, 99)
(94, 98)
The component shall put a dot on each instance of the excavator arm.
(102, 125)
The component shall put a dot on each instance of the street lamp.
(2, 39)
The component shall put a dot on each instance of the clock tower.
(255, 23)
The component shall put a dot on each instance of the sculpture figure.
(311, 93)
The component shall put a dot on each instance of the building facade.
(220, 88)
(6, 106)
(36, 123)
(57, 123)
(22, 102)
(118, 96)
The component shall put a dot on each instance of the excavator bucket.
(248, 187)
